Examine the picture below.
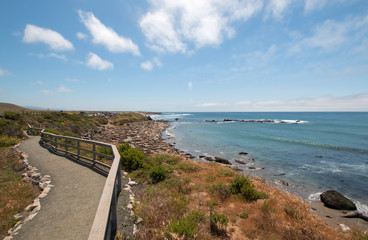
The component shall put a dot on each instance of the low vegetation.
(180, 200)
(15, 194)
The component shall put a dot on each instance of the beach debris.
(344, 228)
(335, 200)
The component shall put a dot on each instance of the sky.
(185, 55)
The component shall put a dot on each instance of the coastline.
(147, 137)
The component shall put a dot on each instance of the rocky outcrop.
(336, 200)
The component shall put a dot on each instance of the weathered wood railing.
(105, 222)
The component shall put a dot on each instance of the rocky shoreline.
(147, 137)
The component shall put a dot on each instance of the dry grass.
(281, 216)
(15, 194)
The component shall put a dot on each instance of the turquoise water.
(322, 151)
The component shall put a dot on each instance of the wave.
(277, 121)
(168, 116)
(312, 144)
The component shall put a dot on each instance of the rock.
(222, 160)
(202, 156)
(240, 161)
(281, 174)
(243, 153)
(336, 200)
(251, 167)
(209, 159)
(318, 156)
(284, 183)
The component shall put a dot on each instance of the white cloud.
(147, 65)
(212, 104)
(330, 35)
(95, 62)
(173, 25)
(47, 92)
(312, 5)
(106, 35)
(53, 55)
(81, 35)
(157, 62)
(276, 8)
(34, 34)
(357, 102)
(3, 72)
(72, 80)
(39, 82)
(62, 89)
(190, 85)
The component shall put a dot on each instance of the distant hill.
(10, 107)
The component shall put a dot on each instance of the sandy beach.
(147, 137)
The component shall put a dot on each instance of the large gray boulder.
(336, 200)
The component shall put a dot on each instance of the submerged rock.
(336, 200)
(240, 161)
(243, 153)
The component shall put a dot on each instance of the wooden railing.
(105, 222)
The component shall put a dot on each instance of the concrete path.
(68, 211)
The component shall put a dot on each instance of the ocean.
(308, 151)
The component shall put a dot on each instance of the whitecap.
(315, 197)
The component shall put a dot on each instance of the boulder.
(336, 200)
(209, 159)
(222, 160)
(243, 153)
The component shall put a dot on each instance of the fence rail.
(105, 222)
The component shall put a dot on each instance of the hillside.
(10, 107)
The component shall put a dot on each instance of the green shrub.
(266, 208)
(238, 183)
(123, 147)
(157, 174)
(292, 212)
(131, 159)
(221, 190)
(244, 215)
(243, 187)
(226, 172)
(187, 226)
(7, 141)
(53, 131)
(188, 167)
(218, 223)
(12, 116)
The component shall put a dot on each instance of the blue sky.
(185, 55)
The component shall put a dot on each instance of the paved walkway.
(68, 211)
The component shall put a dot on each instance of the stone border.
(132, 203)
(31, 176)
